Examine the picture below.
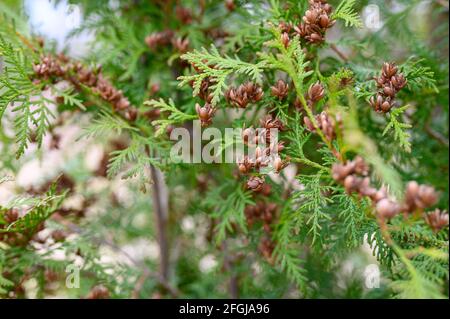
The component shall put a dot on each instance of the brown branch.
(339, 52)
(161, 217)
(436, 136)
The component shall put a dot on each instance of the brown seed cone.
(246, 93)
(315, 22)
(381, 104)
(270, 122)
(245, 165)
(230, 5)
(205, 113)
(184, 15)
(48, 67)
(255, 183)
(316, 92)
(98, 292)
(159, 39)
(180, 44)
(419, 197)
(285, 39)
(280, 90)
(437, 220)
(285, 27)
(325, 123)
(387, 209)
(11, 215)
(266, 247)
(389, 83)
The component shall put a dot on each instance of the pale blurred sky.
(55, 22)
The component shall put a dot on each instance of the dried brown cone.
(316, 21)
(48, 67)
(255, 183)
(356, 166)
(285, 27)
(205, 113)
(419, 197)
(353, 175)
(280, 90)
(381, 103)
(152, 114)
(230, 5)
(387, 209)
(109, 93)
(245, 165)
(388, 83)
(180, 44)
(285, 39)
(279, 164)
(184, 15)
(316, 92)
(131, 114)
(266, 190)
(157, 39)
(266, 247)
(86, 76)
(325, 123)
(270, 122)
(437, 220)
(11, 215)
(352, 183)
(204, 93)
(98, 292)
(246, 93)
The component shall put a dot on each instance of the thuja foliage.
(360, 188)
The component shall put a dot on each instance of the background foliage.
(104, 216)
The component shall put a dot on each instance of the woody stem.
(160, 196)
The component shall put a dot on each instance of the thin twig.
(161, 217)
(436, 135)
(339, 52)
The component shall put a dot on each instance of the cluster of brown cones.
(101, 86)
(62, 68)
(243, 95)
(280, 90)
(353, 175)
(315, 22)
(316, 92)
(48, 67)
(389, 83)
(165, 38)
(98, 292)
(205, 113)
(263, 155)
(324, 121)
(326, 124)
(159, 39)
